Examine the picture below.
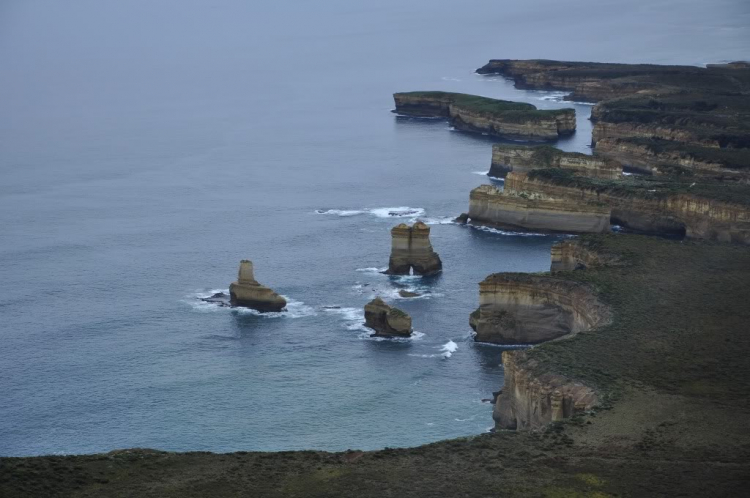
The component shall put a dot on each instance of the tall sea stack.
(248, 293)
(411, 249)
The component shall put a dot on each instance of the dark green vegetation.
(510, 111)
(648, 187)
(672, 366)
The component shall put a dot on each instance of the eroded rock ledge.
(522, 159)
(530, 400)
(580, 254)
(490, 116)
(411, 250)
(521, 308)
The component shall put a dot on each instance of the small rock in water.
(463, 218)
(406, 293)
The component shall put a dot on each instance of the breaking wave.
(446, 351)
(507, 232)
(294, 308)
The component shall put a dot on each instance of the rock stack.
(411, 250)
(386, 320)
(248, 293)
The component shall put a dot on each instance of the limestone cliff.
(489, 116)
(386, 320)
(578, 255)
(248, 293)
(698, 210)
(530, 400)
(519, 207)
(522, 159)
(521, 308)
(664, 157)
(411, 250)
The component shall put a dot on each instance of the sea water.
(147, 147)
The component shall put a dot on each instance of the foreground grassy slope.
(673, 365)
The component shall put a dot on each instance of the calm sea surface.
(146, 147)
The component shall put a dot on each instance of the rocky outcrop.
(411, 250)
(522, 159)
(580, 254)
(248, 293)
(488, 116)
(665, 157)
(530, 400)
(519, 207)
(386, 320)
(520, 308)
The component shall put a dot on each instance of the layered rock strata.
(520, 308)
(697, 210)
(248, 293)
(519, 207)
(522, 159)
(665, 157)
(488, 116)
(530, 400)
(411, 250)
(579, 255)
(386, 320)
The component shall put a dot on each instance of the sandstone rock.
(406, 293)
(530, 400)
(248, 293)
(521, 308)
(522, 159)
(520, 207)
(579, 255)
(411, 250)
(489, 116)
(386, 320)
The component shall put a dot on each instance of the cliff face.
(522, 159)
(654, 207)
(530, 401)
(411, 250)
(519, 308)
(490, 116)
(579, 255)
(386, 320)
(248, 293)
(662, 157)
(518, 207)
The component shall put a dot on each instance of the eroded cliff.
(519, 207)
(489, 116)
(522, 159)
(411, 250)
(521, 308)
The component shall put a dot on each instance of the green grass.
(738, 159)
(511, 111)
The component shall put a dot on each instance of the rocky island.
(248, 293)
(387, 321)
(499, 118)
(411, 250)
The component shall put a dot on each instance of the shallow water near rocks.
(146, 148)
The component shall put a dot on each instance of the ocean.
(147, 147)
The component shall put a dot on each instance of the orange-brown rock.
(386, 320)
(248, 293)
(523, 158)
(411, 250)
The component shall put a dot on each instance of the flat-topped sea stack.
(522, 159)
(248, 293)
(520, 308)
(411, 250)
(519, 207)
(501, 118)
(386, 320)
